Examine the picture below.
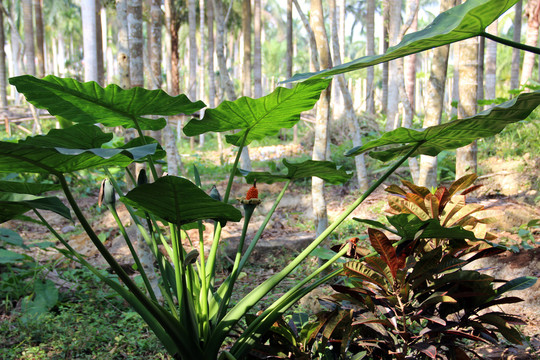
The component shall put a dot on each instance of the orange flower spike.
(252, 193)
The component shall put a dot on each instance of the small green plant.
(526, 234)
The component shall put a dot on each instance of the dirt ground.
(506, 195)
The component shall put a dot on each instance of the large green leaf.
(260, 117)
(27, 188)
(325, 170)
(410, 227)
(11, 237)
(453, 134)
(44, 154)
(13, 205)
(459, 23)
(179, 201)
(89, 103)
(73, 137)
(10, 257)
(520, 283)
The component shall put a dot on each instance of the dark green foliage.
(414, 298)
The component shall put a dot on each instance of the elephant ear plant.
(190, 314)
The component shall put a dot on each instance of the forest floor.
(506, 195)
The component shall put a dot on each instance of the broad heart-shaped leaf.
(13, 205)
(453, 134)
(89, 103)
(325, 170)
(26, 188)
(260, 117)
(459, 23)
(179, 201)
(44, 154)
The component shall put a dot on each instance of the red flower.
(252, 193)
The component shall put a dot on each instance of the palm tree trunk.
(409, 68)
(40, 52)
(351, 119)
(395, 69)
(226, 82)
(99, 45)
(246, 63)
(468, 90)
(29, 51)
(434, 100)
(257, 56)
(122, 56)
(322, 119)
(514, 72)
(386, 65)
(3, 72)
(210, 67)
(491, 64)
(480, 71)
(370, 48)
(532, 13)
(314, 56)
(136, 43)
(88, 12)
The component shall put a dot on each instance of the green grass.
(90, 322)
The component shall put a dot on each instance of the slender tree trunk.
(210, 54)
(289, 59)
(88, 12)
(395, 67)
(29, 51)
(40, 50)
(136, 43)
(192, 37)
(173, 79)
(386, 5)
(16, 49)
(342, 5)
(455, 85)
(532, 12)
(211, 71)
(409, 67)
(192, 22)
(99, 45)
(514, 72)
(314, 57)
(154, 51)
(257, 56)
(202, 65)
(322, 119)
(491, 64)
(468, 89)
(122, 56)
(480, 71)
(3, 70)
(351, 119)
(370, 48)
(226, 82)
(246, 63)
(30, 55)
(289, 36)
(433, 103)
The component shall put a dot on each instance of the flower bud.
(107, 195)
